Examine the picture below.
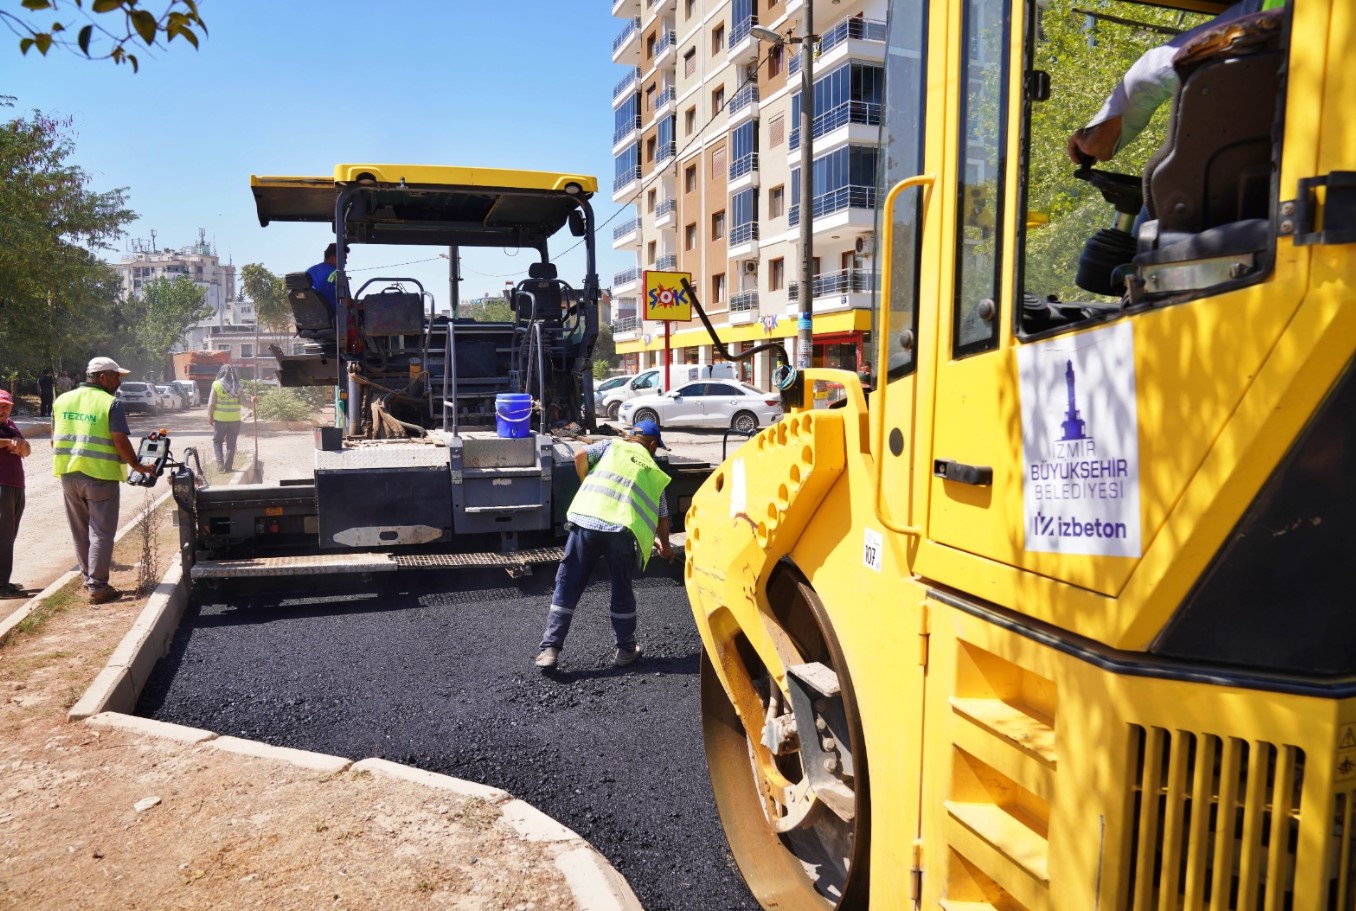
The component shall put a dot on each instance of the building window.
(718, 39)
(776, 202)
(776, 274)
(246, 351)
(650, 199)
(649, 47)
(718, 226)
(690, 8)
(650, 252)
(689, 120)
(717, 100)
(718, 165)
(718, 288)
(774, 61)
(650, 145)
(690, 62)
(690, 237)
(690, 179)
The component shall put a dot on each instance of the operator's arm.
(581, 463)
(211, 406)
(661, 539)
(129, 455)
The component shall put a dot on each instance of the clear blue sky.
(295, 87)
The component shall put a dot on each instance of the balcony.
(626, 46)
(665, 151)
(667, 263)
(624, 131)
(842, 199)
(744, 308)
(744, 173)
(627, 325)
(625, 9)
(742, 243)
(862, 119)
(743, 106)
(665, 51)
(625, 279)
(627, 81)
(624, 179)
(661, 6)
(626, 233)
(849, 289)
(849, 30)
(664, 212)
(665, 100)
(743, 47)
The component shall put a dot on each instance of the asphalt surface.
(435, 670)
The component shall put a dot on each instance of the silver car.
(707, 403)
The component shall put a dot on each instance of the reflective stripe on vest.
(624, 489)
(81, 439)
(227, 407)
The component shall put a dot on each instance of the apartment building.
(707, 152)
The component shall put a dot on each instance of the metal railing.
(630, 226)
(827, 284)
(626, 276)
(628, 176)
(666, 207)
(864, 112)
(626, 324)
(667, 263)
(627, 32)
(744, 301)
(853, 196)
(665, 150)
(858, 29)
(669, 39)
(742, 99)
(625, 130)
(626, 82)
(740, 30)
(742, 234)
(665, 96)
(745, 164)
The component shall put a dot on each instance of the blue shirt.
(322, 280)
(595, 452)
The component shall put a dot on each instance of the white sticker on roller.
(871, 549)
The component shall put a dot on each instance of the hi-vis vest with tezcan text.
(81, 439)
(227, 406)
(624, 489)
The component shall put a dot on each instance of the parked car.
(710, 403)
(606, 386)
(138, 396)
(189, 390)
(649, 381)
(171, 399)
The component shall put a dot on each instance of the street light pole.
(805, 323)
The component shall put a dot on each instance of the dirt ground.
(98, 818)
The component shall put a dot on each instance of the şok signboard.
(665, 298)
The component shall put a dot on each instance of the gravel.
(435, 670)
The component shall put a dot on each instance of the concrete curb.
(111, 698)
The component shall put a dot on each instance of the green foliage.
(487, 310)
(49, 278)
(1085, 62)
(180, 19)
(605, 351)
(269, 294)
(158, 319)
(279, 404)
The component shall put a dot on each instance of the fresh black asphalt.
(435, 670)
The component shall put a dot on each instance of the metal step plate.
(517, 558)
(308, 565)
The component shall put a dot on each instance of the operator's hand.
(143, 469)
(1097, 141)
(665, 551)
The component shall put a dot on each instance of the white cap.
(103, 365)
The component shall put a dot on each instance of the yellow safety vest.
(227, 407)
(81, 439)
(624, 489)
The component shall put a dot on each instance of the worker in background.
(323, 278)
(13, 450)
(223, 413)
(866, 376)
(90, 452)
(618, 514)
(1149, 82)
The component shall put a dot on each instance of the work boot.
(627, 654)
(104, 594)
(547, 659)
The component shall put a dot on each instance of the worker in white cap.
(90, 439)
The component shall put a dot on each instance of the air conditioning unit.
(865, 245)
(751, 267)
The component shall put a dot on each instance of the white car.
(171, 399)
(138, 396)
(606, 386)
(706, 403)
(189, 390)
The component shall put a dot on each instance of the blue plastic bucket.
(512, 414)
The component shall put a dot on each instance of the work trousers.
(92, 511)
(11, 511)
(44, 404)
(583, 548)
(224, 434)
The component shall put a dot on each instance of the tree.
(604, 352)
(159, 318)
(103, 38)
(58, 301)
(269, 294)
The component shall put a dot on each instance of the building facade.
(707, 150)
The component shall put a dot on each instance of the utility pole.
(805, 323)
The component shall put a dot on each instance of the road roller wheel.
(801, 845)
